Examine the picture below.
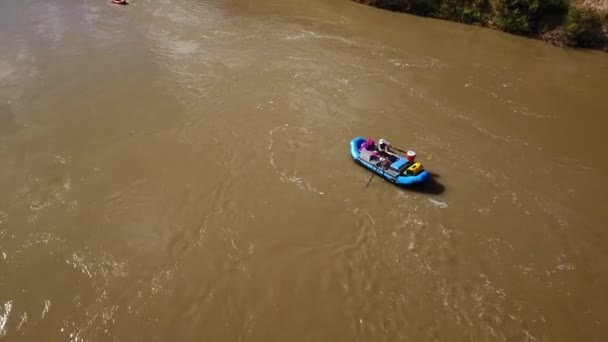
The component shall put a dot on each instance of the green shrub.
(527, 16)
(472, 15)
(554, 20)
(467, 11)
(583, 27)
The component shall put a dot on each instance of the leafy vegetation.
(527, 17)
(580, 27)
(466, 11)
(583, 27)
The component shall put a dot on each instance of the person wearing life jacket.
(384, 147)
(368, 145)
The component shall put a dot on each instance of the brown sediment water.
(179, 170)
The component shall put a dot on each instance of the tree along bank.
(574, 23)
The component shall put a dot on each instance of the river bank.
(565, 23)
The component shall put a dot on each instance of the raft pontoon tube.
(401, 172)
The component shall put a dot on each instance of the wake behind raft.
(395, 168)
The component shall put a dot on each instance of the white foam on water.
(104, 267)
(564, 267)
(50, 22)
(294, 178)
(35, 239)
(94, 323)
(180, 15)
(412, 244)
(67, 185)
(297, 58)
(61, 159)
(4, 316)
(35, 208)
(107, 316)
(56, 196)
(514, 107)
(423, 64)
(526, 269)
(92, 13)
(47, 307)
(183, 47)
(75, 335)
(438, 204)
(16, 69)
(202, 232)
(23, 320)
(446, 232)
(6, 69)
(529, 337)
(156, 285)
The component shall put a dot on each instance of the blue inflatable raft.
(400, 171)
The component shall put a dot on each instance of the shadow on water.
(431, 186)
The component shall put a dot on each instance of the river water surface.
(178, 170)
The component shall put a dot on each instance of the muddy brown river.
(179, 170)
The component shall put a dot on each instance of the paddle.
(370, 179)
(398, 149)
(373, 174)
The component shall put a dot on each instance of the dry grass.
(600, 6)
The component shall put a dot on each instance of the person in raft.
(120, 2)
(384, 147)
(369, 145)
(380, 151)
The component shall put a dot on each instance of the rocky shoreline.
(565, 23)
